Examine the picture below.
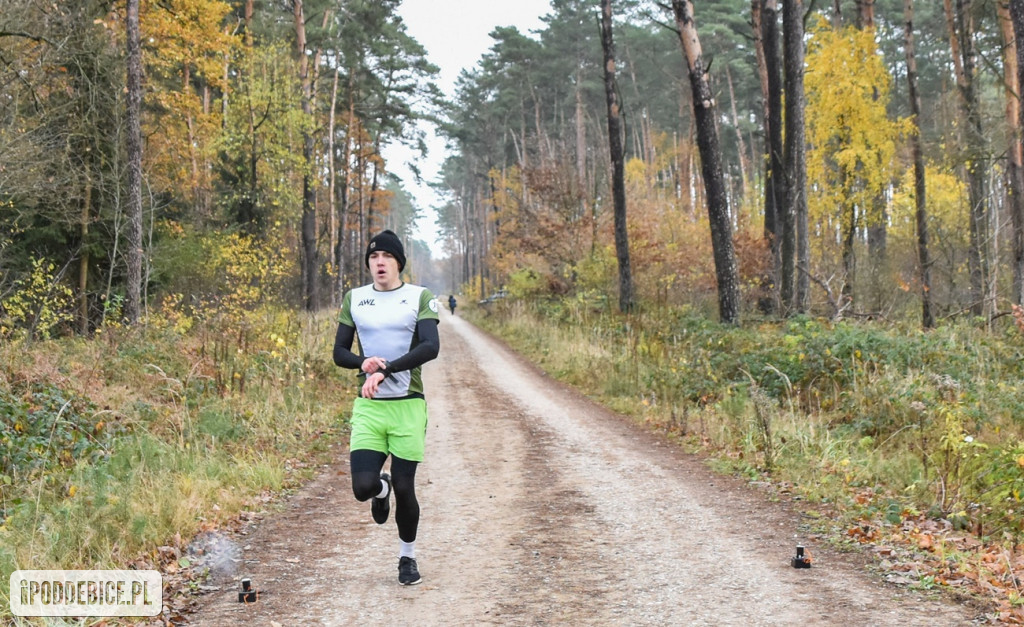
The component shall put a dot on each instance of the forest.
(819, 203)
(879, 138)
(262, 127)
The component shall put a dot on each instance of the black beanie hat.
(388, 242)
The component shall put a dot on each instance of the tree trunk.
(308, 263)
(711, 164)
(464, 234)
(774, 180)
(343, 202)
(133, 122)
(581, 145)
(741, 146)
(837, 15)
(923, 254)
(644, 148)
(876, 219)
(961, 30)
(865, 14)
(358, 179)
(224, 108)
(849, 216)
(795, 255)
(617, 159)
(248, 23)
(186, 89)
(332, 201)
(1016, 177)
(83, 261)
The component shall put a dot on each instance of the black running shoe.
(380, 508)
(408, 574)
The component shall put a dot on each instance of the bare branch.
(24, 35)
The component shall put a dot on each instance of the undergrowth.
(884, 433)
(118, 447)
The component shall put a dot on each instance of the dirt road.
(541, 508)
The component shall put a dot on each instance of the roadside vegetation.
(118, 451)
(908, 443)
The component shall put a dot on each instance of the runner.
(397, 327)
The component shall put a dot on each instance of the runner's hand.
(374, 364)
(372, 384)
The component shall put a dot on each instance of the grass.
(917, 437)
(116, 446)
(136, 440)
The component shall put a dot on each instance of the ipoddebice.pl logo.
(86, 593)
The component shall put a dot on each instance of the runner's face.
(384, 268)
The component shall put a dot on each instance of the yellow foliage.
(187, 37)
(946, 199)
(636, 172)
(38, 304)
(852, 141)
(185, 44)
(663, 154)
(250, 269)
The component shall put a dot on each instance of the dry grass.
(179, 453)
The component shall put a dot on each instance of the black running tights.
(366, 466)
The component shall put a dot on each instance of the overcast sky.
(455, 35)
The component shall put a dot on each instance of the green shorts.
(395, 427)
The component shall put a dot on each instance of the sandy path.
(538, 508)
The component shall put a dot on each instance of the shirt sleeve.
(345, 315)
(428, 306)
(343, 355)
(427, 348)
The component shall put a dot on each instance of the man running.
(397, 327)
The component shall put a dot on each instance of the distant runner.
(451, 303)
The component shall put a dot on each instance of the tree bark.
(876, 218)
(711, 164)
(1015, 9)
(741, 145)
(795, 252)
(186, 90)
(921, 206)
(83, 261)
(581, 144)
(961, 30)
(133, 291)
(343, 194)
(309, 276)
(837, 15)
(617, 159)
(849, 216)
(331, 187)
(865, 14)
(767, 32)
(248, 23)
